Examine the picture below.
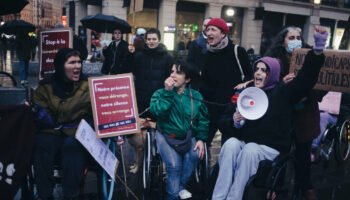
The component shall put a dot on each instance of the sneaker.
(185, 194)
(24, 82)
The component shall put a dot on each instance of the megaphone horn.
(252, 103)
(247, 102)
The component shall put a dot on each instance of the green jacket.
(173, 113)
(65, 111)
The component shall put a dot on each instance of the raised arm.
(307, 77)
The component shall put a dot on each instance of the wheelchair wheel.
(327, 142)
(202, 170)
(284, 184)
(161, 179)
(153, 170)
(147, 159)
(107, 182)
(280, 181)
(342, 143)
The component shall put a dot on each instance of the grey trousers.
(238, 161)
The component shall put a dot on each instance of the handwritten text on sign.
(335, 72)
(97, 149)
(50, 42)
(114, 105)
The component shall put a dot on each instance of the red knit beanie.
(220, 23)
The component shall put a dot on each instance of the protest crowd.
(186, 100)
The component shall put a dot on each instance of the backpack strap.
(239, 64)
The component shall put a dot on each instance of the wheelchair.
(29, 190)
(336, 138)
(154, 179)
(276, 177)
(107, 182)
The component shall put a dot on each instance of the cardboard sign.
(331, 103)
(50, 42)
(98, 150)
(335, 72)
(114, 105)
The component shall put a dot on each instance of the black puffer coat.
(151, 67)
(117, 59)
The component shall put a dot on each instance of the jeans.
(73, 158)
(239, 161)
(23, 69)
(325, 119)
(178, 167)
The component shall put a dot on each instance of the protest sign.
(335, 72)
(50, 42)
(114, 105)
(98, 150)
(331, 103)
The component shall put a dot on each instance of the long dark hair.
(277, 50)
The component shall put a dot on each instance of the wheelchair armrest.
(282, 158)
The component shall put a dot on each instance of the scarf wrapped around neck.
(222, 44)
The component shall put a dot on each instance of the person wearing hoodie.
(269, 136)
(60, 102)
(221, 72)
(151, 67)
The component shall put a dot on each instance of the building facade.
(253, 23)
(44, 14)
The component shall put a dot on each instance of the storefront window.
(233, 17)
(189, 19)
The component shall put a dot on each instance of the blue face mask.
(293, 44)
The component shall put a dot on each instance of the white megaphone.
(252, 103)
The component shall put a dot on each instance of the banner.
(97, 149)
(114, 105)
(335, 72)
(50, 42)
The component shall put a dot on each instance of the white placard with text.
(97, 148)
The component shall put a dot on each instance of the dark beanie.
(220, 23)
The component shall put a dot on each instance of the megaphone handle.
(242, 122)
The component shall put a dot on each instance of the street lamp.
(317, 2)
(230, 12)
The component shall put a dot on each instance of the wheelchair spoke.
(342, 143)
(107, 182)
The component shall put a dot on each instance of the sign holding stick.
(98, 150)
(50, 42)
(114, 105)
(335, 72)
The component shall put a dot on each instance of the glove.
(320, 40)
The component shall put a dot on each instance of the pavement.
(331, 179)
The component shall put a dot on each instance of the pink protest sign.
(331, 103)
(114, 105)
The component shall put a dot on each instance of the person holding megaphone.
(267, 137)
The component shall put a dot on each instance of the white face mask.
(293, 44)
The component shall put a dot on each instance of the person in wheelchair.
(269, 136)
(182, 128)
(59, 104)
(328, 119)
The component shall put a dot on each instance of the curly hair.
(277, 50)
